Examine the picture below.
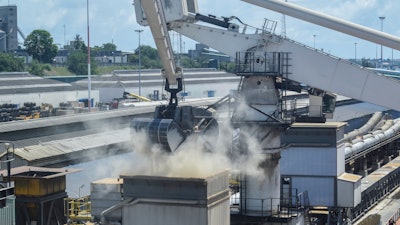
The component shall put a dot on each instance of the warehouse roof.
(23, 82)
(151, 77)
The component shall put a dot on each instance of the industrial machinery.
(269, 65)
(171, 124)
(127, 95)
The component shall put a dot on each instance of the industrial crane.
(171, 124)
(266, 56)
(269, 64)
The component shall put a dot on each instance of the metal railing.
(262, 63)
(393, 218)
(77, 209)
(275, 207)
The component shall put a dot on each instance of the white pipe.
(371, 139)
(331, 22)
(372, 122)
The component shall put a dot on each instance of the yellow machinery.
(132, 95)
(77, 210)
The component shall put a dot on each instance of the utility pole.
(88, 58)
(355, 52)
(140, 66)
(314, 35)
(382, 18)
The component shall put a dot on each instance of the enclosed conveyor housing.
(390, 129)
(370, 125)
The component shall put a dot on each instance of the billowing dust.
(192, 159)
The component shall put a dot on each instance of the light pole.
(355, 52)
(140, 85)
(381, 18)
(88, 57)
(79, 190)
(314, 39)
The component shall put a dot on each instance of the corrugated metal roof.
(17, 83)
(71, 145)
(130, 78)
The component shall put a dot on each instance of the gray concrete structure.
(8, 28)
(176, 200)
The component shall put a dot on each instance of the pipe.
(331, 22)
(372, 122)
(371, 139)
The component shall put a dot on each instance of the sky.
(114, 21)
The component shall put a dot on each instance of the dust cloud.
(192, 159)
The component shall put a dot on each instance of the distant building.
(8, 28)
(102, 58)
(214, 57)
(114, 57)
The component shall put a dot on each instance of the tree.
(78, 43)
(109, 47)
(40, 45)
(9, 63)
(227, 66)
(187, 62)
(148, 57)
(77, 63)
(77, 59)
(105, 49)
(37, 68)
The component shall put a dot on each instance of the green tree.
(78, 43)
(105, 48)
(77, 63)
(109, 47)
(77, 60)
(187, 62)
(227, 66)
(149, 58)
(38, 69)
(40, 45)
(8, 63)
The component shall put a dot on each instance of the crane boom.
(266, 59)
(331, 22)
(155, 19)
(307, 66)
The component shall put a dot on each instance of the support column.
(364, 166)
